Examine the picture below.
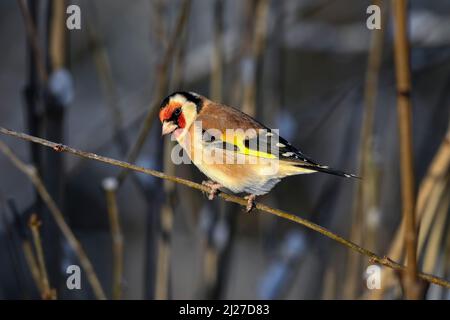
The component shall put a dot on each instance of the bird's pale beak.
(168, 127)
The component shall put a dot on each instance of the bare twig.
(57, 35)
(385, 261)
(156, 279)
(104, 71)
(158, 27)
(160, 90)
(252, 60)
(162, 281)
(211, 211)
(365, 191)
(446, 262)
(30, 259)
(31, 173)
(436, 237)
(33, 88)
(403, 73)
(110, 187)
(164, 213)
(55, 104)
(9, 227)
(435, 201)
(428, 189)
(34, 41)
(47, 293)
(329, 286)
(216, 84)
(27, 248)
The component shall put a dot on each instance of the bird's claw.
(214, 188)
(250, 202)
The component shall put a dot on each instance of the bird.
(235, 151)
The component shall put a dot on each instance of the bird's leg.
(214, 188)
(250, 202)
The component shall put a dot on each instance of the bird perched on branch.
(231, 148)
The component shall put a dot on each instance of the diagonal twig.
(385, 261)
(31, 173)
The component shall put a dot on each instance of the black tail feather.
(325, 169)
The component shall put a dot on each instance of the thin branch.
(34, 41)
(254, 43)
(110, 186)
(434, 202)
(211, 211)
(165, 210)
(31, 263)
(57, 34)
(105, 74)
(429, 186)
(216, 83)
(9, 227)
(403, 73)
(47, 293)
(437, 236)
(365, 191)
(385, 261)
(162, 286)
(31, 173)
(55, 103)
(159, 29)
(27, 248)
(161, 88)
(446, 263)
(370, 183)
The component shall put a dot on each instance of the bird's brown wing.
(261, 141)
(255, 136)
(222, 117)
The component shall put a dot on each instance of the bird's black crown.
(190, 96)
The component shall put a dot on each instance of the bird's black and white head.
(178, 111)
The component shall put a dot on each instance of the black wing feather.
(285, 151)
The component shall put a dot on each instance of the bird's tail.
(325, 169)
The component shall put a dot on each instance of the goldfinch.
(231, 148)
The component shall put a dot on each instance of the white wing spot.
(280, 145)
(288, 154)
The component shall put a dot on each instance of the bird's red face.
(172, 117)
(178, 111)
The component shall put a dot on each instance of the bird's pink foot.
(214, 188)
(250, 202)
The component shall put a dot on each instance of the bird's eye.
(177, 112)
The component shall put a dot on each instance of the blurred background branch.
(30, 172)
(366, 207)
(402, 64)
(110, 187)
(160, 87)
(47, 293)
